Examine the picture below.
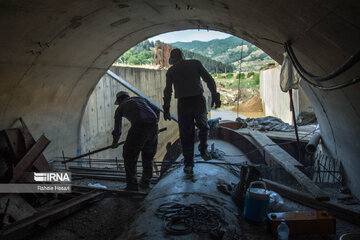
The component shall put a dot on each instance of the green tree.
(257, 78)
(229, 75)
(250, 74)
(133, 60)
(146, 57)
(241, 76)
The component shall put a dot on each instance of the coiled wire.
(180, 219)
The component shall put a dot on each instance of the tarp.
(289, 78)
(268, 123)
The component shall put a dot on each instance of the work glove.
(114, 144)
(166, 113)
(215, 100)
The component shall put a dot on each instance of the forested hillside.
(211, 65)
(143, 53)
(218, 56)
(228, 51)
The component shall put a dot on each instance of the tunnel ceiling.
(54, 52)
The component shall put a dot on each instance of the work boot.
(189, 170)
(205, 154)
(131, 187)
(144, 184)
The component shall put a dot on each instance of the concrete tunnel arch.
(53, 54)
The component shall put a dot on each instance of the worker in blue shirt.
(142, 136)
(185, 76)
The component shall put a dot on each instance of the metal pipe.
(100, 150)
(176, 188)
(137, 92)
(314, 141)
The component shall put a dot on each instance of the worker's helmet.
(121, 95)
(175, 56)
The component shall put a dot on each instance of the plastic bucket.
(256, 202)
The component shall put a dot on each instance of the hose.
(180, 219)
(307, 77)
(304, 74)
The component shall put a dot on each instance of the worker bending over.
(185, 76)
(142, 136)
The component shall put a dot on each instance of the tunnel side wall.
(98, 118)
(276, 102)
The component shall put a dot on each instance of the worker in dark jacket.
(185, 76)
(142, 136)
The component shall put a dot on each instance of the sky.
(189, 35)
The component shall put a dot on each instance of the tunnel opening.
(97, 120)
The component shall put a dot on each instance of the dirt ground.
(252, 114)
(101, 220)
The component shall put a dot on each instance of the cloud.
(189, 35)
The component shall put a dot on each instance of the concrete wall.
(98, 118)
(276, 102)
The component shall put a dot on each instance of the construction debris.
(268, 123)
(19, 229)
(22, 214)
(18, 208)
(290, 164)
(306, 199)
(26, 162)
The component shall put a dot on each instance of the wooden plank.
(306, 199)
(106, 177)
(18, 207)
(290, 164)
(124, 193)
(41, 164)
(27, 225)
(277, 153)
(16, 143)
(286, 136)
(93, 169)
(30, 157)
(107, 173)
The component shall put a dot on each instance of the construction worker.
(142, 136)
(185, 76)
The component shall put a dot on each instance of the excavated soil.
(253, 108)
(253, 105)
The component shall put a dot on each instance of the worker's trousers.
(142, 139)
(191, 112)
